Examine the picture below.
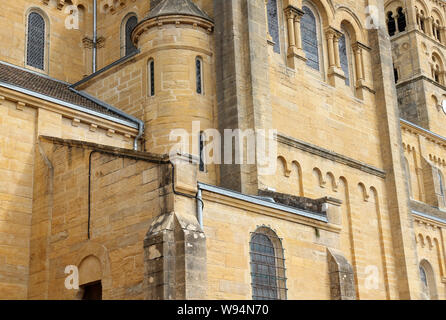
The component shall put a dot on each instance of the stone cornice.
(177, 20)
(67, 113)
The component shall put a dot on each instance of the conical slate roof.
(177, 7)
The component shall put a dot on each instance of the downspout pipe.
(95, 34)
(117, 111)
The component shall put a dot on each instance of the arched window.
(199, 74)
(151, 77)
(401, 20)
(437, 68)
(310, 43)
(345, 55)
(409, 179)
(273, 23)
(36, 42)
(267, 266)
(427, 278)
(201, 148)
(391, 26)
(441, 186)
(395, 74)
(129, 23)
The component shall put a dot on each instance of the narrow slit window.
(343, 55)
(151, 76)
(199, 74)
(201, 143)
(35, 48)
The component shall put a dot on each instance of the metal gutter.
(254, 200)
(428, 216)
(132, 124)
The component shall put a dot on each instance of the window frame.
(46, 45)
(124, 22)
(151, 78)
(320, 40)
(279, 264)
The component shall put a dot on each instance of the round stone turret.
(176, 39)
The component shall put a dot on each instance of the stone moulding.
(330, 155)
(147, 24)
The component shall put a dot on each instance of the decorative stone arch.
(326, 11)
(334, 184)
(438, 25)
(276, 256)
(46, 53)
(363, 190)
(408, 176)
(345, 15)
(421, 14)
(342, 277)
(123, 32)
(428, 283)
(317, 174)
(420, 240)
(282, 161)
(298, 167)
(437, 66)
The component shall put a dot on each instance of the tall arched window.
(401, 19)
(409, 179)
(310, 43)
(267, 266)
(427, 278)
(199, 75)
(437, 68)
(151, 77)
(273, 23)
(344, 55)
(391, 25)
(441, 186)
(36, 42)
(129, 23)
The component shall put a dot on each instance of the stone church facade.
(91, 90)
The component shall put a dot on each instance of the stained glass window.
(35, 49)
(344, 58)
(273, 24)
(129, 26)
(310, 41)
